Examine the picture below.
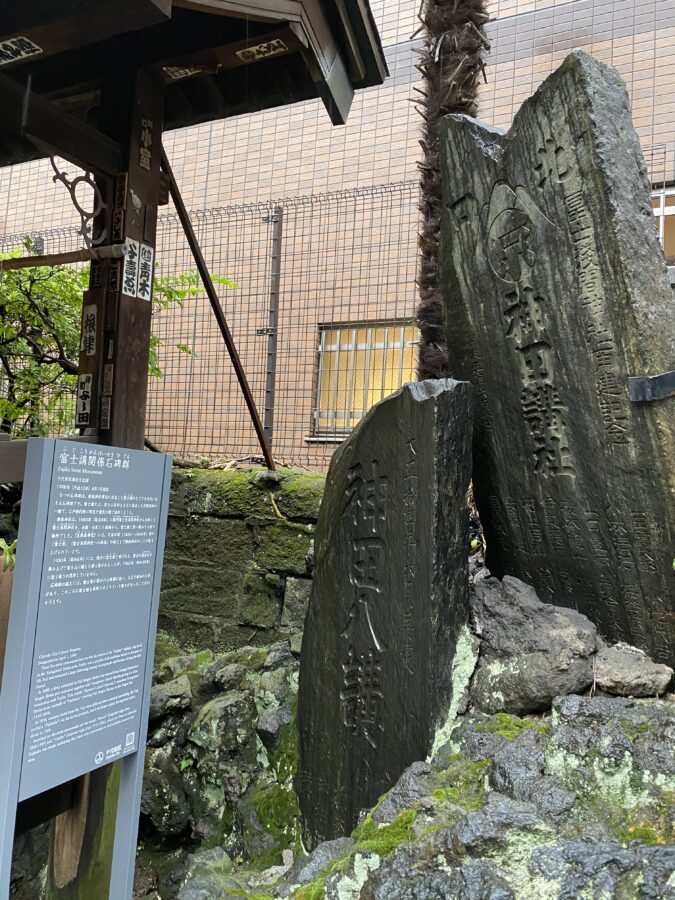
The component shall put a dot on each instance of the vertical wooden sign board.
(78, 668)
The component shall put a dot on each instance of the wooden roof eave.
(334, 71)
(51, 31)
(330, 48)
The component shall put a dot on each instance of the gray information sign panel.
(94, 612)
(78, 664)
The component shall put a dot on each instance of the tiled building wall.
(349, 258)
(530, 38)
(296, 151)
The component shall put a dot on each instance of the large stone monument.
(388, 600)
(556, 294)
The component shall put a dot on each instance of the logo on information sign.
(130, 739)
(98, 759)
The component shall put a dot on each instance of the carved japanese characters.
(389, 597)
(556, 292)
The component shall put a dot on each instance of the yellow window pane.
(327, 369)
(362, 336)
(359, 379)
(342, 381)
(375, 378)
(379, 335)
(669, 238)
(365, 364)
(409, 365)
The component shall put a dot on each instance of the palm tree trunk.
(451, 64)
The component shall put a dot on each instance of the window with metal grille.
(663, 202)
(359, 365)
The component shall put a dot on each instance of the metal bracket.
(645, 388)
(86, 218)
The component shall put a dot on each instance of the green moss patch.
(651, 824)
(166, 647)
(214, 492)
(381, 840)
(510, 727)
(299, 497)
(463, 783)
(384, 839)
(277, 810)
(284, 547)
(284, 760)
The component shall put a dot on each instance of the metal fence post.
(277, 219)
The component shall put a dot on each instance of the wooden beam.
(27, 115)
(212, 60)
(113, 251)
(13, 457)
(39, 809)
(81, 853)
(32, 31)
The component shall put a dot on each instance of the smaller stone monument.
(388, 600)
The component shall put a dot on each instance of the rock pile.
(531, 652)
(221, 755)
(542, 783)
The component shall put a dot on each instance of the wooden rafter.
(27, 115)
(48, 27)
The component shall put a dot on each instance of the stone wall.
(239, 557)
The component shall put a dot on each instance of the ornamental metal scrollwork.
(86, 217)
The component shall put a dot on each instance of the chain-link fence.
(322, 316)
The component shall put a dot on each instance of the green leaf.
(8, 554)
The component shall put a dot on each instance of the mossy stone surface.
(222, 635)
(296, 601)
(164, 800)
(299, 497)
(284, 547)
(204, 565)
(271, 824)
(260, 604)
(211, 492)
(230, 547)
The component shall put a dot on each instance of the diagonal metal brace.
(645, 388)
(205, 276)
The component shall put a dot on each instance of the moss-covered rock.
(296, 601)
(524, 808)
(284, 547)
(233, 493)
(164, 800)
(509, 726)
(463, 783)
(271, 823)
(299, 497)
(166, 647)
(205, 563)
(219, 634)
(261, 600)
(233, 538)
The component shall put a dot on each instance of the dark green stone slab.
(556, 292)
(388, 599)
